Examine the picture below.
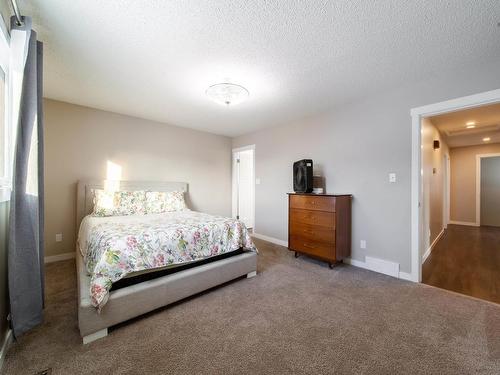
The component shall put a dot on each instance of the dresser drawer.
(322, 218)
(320, 249)
(313, 232)
(309, 202)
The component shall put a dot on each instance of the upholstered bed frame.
(129, 302)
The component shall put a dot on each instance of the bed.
(111, 296)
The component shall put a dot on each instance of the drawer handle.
(309, 246)
(308, 231)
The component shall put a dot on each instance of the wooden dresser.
(319, 225)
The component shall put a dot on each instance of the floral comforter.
(114, 247)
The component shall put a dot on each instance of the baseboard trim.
(59, 257)
(381, 266)
(355, 263)
(468, 223)
(270, 239)
(429, 250)
(7, 340)
(405, 276)
(373, 264)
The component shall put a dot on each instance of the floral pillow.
(119, 203)
(159, 201)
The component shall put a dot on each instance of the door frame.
(417, 114)
(478, 183)
(234, 181)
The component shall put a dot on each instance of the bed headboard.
(85, 197)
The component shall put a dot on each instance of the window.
(6, 143)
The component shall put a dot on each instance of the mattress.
(119, 247)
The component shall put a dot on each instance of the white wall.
(490, 191)
(355, 146)
(79, 141)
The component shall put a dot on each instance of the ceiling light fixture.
(487, 139)
(227, 93)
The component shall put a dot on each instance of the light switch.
(392, 177)
(257, 181)
(362, 244)
(58, 237)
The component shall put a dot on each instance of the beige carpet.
(296, 316)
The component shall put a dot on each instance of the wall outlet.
(257, 181)
(362, 244)
(392, 177)
(58, 237)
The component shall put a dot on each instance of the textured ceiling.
(453, 125)
(154, 59)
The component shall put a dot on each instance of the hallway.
(466, 260)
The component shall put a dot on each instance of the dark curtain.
(25, 256)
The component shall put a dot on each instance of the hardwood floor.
(466, 260)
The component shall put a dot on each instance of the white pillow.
(119, 203)
(161, 201)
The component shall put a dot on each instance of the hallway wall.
(433, 180)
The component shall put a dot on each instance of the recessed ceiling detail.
(456, 126)
(459, 130)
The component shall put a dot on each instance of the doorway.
(461, 187)
(243, 207)
(418, 230)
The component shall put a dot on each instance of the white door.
(243, 185)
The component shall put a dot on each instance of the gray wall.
(79, 141)
(490, 191)
(355, 146)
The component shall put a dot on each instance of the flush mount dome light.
(227, 93)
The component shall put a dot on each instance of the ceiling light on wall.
(486, 139)
(470, 125)
(227, 93)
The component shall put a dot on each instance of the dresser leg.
(330, 265)
(296, 254)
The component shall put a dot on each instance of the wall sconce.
(436, 145)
